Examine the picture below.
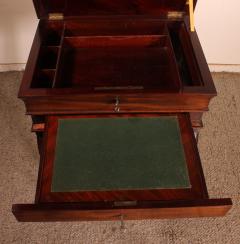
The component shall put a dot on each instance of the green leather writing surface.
(119, 154)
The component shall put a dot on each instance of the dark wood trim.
(95, 104)
(196, 121)
(202, 64)
(145, 210)
(98, 8)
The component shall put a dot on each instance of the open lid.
(110, 7)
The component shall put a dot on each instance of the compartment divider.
(184, 55)
(174, 66)
(116, 41)
(115, 27)
(59, 55)
(48, 57)
(44, 78)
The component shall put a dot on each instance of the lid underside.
(108, 7)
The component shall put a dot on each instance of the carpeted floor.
(219, 146)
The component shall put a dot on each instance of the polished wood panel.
(107, 7)
(106, 211)
(137, 102)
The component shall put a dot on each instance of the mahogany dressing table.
(116, 90)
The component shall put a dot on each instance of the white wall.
(218, 27)
(217, 24)
(18, 24)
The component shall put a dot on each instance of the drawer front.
(118, 103)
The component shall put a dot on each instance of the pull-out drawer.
(131, 166)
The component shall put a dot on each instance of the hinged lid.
(110, 7)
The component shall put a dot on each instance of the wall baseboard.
(233, 68)
(12, 67)
(213, 67)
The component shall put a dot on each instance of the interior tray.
(117, 54)
(98, 68)
(124, 54)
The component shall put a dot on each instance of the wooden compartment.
(130, 54)
(43, 78)
(118, 54)
(99, 59)
(51, 33)
(118, 62)
(186, 61)
(140, 51)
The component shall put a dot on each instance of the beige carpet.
(219, 145)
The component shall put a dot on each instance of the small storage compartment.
(116, 54)
(45, 70)
(117, 62)
(186, 60)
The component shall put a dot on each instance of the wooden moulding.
(144, 210)
(196, 121)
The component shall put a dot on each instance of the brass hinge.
(175, 14)
(55, 16)
(191, 14)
